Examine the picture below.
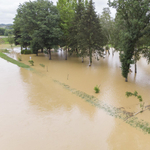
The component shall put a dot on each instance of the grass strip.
(4, 56)
(110, 110)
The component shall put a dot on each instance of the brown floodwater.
(37, 113)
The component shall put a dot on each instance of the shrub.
(139, 97)
(107, 47)
(19, 59)
(26, 51)
(31, 62)
(96, 88)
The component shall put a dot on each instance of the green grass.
(13, 61)
(4, 41)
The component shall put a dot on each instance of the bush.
(96, 88)
(26, 51)
(31, 62)
(19, 59)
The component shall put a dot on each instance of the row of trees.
(6, 32)
(74, 25)
(71, 24)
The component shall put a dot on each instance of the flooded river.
(55, 107)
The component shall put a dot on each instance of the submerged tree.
(74, 29)
(107, 23)
(90, 37)
(133, 20)
(66, 10)
(37, 24)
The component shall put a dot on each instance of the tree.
(107, 23)
(73, 30)
(11, 40)
(2, 31)
(90, 37)
(66, 10)
(37, 24)
(133, 19)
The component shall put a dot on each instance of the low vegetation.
(42, 65)
(96, 88)
(31, 62)
(26, 51)
(13, 61)
(139, 97)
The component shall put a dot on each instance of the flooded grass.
(4, 51)
(13, 61)
(112, 111)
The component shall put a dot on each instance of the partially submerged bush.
(31, 62)
(96, 88)
(19, 59)
(139, 97)
(26, 51)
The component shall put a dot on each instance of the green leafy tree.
(66, 10)
(107, 23)
(90, 37)
(133, 20)
(11, 40)
(74, 29)
(37, 25)
(2, 31)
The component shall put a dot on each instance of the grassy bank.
(13, 61)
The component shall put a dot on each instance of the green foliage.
(11, 40)
(31, 62)
(107, 24)
(42, 65)
(4, 41)
(19, 59)
(96, 88)
(37, 25)
(2, 31)
(13, 61)
(139, 97)
(8, 32)
(132, 23)
(26, 51)
(90, 36)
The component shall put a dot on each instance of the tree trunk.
(41, 50)
(49, 54)
(21, 47)
(135, 67)
(66, 54)
(89, 61)
(90, 57)
(37, 54)
(76, 50)
(82, 59)
(126, 79)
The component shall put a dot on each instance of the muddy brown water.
(37, 113)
